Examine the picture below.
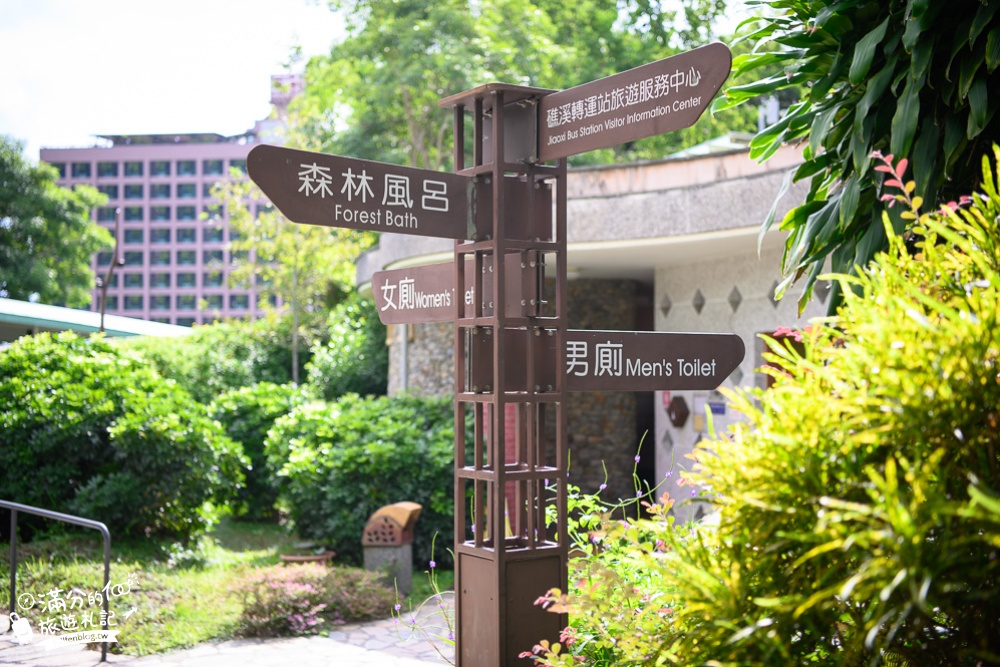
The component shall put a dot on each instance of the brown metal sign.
(655, 98)
(423, 294)
(612, 360)
(335, 191)
(649, 360)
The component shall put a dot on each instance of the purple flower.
(398, 606)
(433, 565)
(638, 493)
(602, 487)
(636, 458)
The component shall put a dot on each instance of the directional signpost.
(514, 364)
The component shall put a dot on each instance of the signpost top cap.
(512, 93)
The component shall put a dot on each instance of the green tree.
(376, 94)
(46, 235)
(912, 78)
(301, 269)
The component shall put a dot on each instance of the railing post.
(13, 558)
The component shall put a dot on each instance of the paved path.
(376, 644)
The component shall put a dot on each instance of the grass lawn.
(173, 597)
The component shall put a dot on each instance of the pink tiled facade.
(174, 235)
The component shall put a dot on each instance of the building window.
(187, 190)
(186, 235)
(211, 168)
(110, 190)
(107, 169)
(133, 168)
(159, 302)
(81, 170)
(234, 235)
(133, 192)
(133, 214)
(159, 191)
(214, 301)
(60, 167)
(185, 321)
(186, 213)
(186, 302)
(210, 256)
(213, 235)
(103, 258)
(239, 256)
(212, 279)
(133, 280)
(114, 281)
(159, 213)
(186, 257)
(262, 209)
(207, 190)
(239, 301)
(213, 211)
(186, 168)
(106, 214)
(133, 302)
(159, 168)
(133, 258)
(186, 280)
(159, 280)
(133, 236)
(159, 258)
(159, 235)
(111, 302)
(238, 164)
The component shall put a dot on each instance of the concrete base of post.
(394, 562)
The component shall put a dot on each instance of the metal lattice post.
(509, 344)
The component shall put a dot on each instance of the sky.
(73, 69)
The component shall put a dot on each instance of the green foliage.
(376, 94)
(904, 77)
(46, 235)
(220, 357)
(280, 601)
(858, 507)
(356, 359)
(339, 462)
(247, 414)
(89, 429)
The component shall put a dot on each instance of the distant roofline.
(177, 138)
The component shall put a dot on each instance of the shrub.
(247, 414)
(356, 359)
(859, 504)
(220, 357)
(305, 599)
(339, 462)
(87, 428)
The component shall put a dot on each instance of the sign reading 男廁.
(335, 191)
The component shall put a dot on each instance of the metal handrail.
(65, 518)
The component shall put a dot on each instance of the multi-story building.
(174, 234)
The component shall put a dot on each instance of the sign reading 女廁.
(656, 98)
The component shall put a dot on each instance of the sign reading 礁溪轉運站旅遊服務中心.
(655, 98)
(335, 191)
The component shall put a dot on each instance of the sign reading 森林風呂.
(335, 191)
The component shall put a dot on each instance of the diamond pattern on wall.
(666, 304)
(735, 299)
(698, 302)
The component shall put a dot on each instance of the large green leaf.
(978, 103)
(904, 122)
(864, 52)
